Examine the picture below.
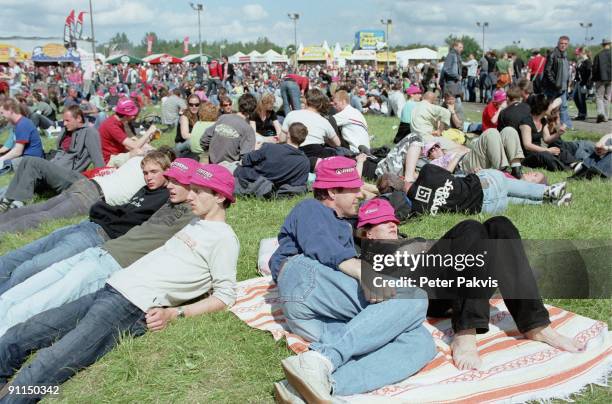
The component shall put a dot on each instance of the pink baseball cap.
(413, 90)
(376, 211)
(428, 147)
(499, 96)
(337, 172)
(216, 178)
(126, 107)
(181, 170)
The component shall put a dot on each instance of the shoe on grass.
(565, 200)
(601, 118)
(284, 393)
(310, 374)
(554, 192)
(5, 204)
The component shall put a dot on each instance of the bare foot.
(551, 337)
(465, 354)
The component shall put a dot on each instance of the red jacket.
(301, 81)
(215, 69)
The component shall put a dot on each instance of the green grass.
(217, 358)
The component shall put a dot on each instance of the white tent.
(256, 57)
(273, 56)
(152, 56)
(419, 54)
(238, 57)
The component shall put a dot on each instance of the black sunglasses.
(194, 105)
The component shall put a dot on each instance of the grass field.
(216, 358)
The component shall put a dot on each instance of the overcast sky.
(533, 22)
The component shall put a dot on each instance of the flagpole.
(93, 38)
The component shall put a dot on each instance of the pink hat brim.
(378, 220)
(355, 183)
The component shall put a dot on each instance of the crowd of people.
(272, 132)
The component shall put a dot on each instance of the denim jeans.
(74, 336)
(485, 91)
(290, 92)
(563, 112)
(61, 283)
(369, 345)
(580, 100)
(499, 191)
(471, 89)
(20, 264)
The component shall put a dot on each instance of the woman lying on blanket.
(377, 220)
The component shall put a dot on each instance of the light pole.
(221, 47)
(483, 25)
(93, 38)
(586, 26)
(387, 22)
(199, 7)
(294, 17)
(516, 43)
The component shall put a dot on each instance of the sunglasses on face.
(194, 105)
(226, 105)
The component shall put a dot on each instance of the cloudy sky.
(533, 22)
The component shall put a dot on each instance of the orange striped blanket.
(514, 369)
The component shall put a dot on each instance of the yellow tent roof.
(382, 57)
(9, 51)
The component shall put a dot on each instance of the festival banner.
(186, 45)
(149, 44)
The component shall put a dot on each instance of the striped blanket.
(514, 369)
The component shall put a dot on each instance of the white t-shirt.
(201, 257)
(319, 128)
(120, 186)
(15, 73)
(354, 128)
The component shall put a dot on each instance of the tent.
(55, 53)
(363, 55)
(195, 58)
(273, 56)
(419, 54)
(165, 58)
(314, 53)
(10, 51)
(239, 57)
(126, 59)
(256, 57)
(151, 57)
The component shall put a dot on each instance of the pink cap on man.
(216, 178)
(337, 172)
(181, 170)
(413, 90)
(376, 211)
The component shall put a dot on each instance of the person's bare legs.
(464, 351)
(412, 156)
(551, 337)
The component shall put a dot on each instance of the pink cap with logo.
(376, 211)
(499, 96)
(337, 172)
(181, 170)
(216, 178)
(126, 107)
(413, 90)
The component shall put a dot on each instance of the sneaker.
(555, 191)
(517, 172)
(5, 205)
(601, 118)
(310, 374)
(284, 393)
(565, 200)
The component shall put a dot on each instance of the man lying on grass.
(39, 284)
(359, 343)
(199, 259)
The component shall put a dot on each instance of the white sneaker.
(310, 374)
(555, 191)
(284, 393)
(565, 200)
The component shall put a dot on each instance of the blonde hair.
(265, 104)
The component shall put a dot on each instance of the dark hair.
(317, 100)
(298, 132)
(539, 104)
(247, 104)
(514, 93)
(320, 194)
(76, 112)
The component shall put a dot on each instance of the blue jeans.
(61, 283)
(563, 112)
(499, 191)
(290, 91)
(18, 265)
(74, 336)
(369, 345)
(580, 100)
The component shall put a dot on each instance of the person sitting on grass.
(352, 124)
(80, 194)
(488, 191)
(598, 163)
(78, 147)
(105, 222)
(203, 257)
(278, 165)
(86, 272)
(352, 331)
(490, 113)
(27, 138)
(377, 221)
(414, 96)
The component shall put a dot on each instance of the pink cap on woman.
(126, 107)
(216, 178)
(499, 96)
(337, 172)
(181, 170)
(428, 147)
(413, 90)
(376, 211)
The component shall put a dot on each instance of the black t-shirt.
(514, 116)
(438, 191)
(492, 62)
(179, 138)
(265, 127)
(118, 220)
(536, 135)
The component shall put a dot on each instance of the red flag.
(80, 17)
(149, 44)
(186, 45)
(70, 18)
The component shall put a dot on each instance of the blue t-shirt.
(27, 134)
(316, 231)
(407, 111)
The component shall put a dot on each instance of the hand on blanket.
(158, 318)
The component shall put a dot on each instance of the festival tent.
(239, 57)
(55, 53)
(165, 58)
(363, 55)
(10, 51)
(195, 58)
(314, 53)
(151, 57)
(126, 59)
(273, 56)
(256, 57)
(419, 54)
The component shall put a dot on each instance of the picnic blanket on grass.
(514, 369)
